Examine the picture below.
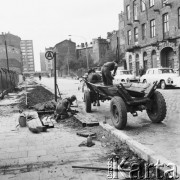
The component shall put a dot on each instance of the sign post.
(49, 56)
(55, 80)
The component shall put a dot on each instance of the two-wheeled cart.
(126, 98)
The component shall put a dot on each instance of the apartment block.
(27, 55)
(152, 33)
(11, 59)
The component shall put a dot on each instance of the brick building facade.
(14, 54)
(66, 52)
(100, 46)
(152, 33)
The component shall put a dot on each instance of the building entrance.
(167, 57)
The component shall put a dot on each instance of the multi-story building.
(27, 56)
(100, 46)
(43, 61)
(65, 53)
(152, 33)
(85, 52)
(13, 56)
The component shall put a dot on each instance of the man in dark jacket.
(63, 106)
(93, 77)
(106, 72)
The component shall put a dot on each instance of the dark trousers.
(107, 77)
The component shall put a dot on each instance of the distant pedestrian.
(106, 72)
(39, 77)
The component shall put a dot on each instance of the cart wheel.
(118, 112)
(157, 113)
(87, 100)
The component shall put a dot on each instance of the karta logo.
(135, 171)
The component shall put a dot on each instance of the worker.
(106, 72)
(39, 76)
(93, 77)
(63, 107)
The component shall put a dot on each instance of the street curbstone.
(142, 151)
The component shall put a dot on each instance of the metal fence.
(8, 81)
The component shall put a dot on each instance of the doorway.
(167, 57)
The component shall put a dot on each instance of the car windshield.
(125, 72)
(162, 71)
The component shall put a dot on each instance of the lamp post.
(86, 48)
(4, 35)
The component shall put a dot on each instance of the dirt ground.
(38, 94)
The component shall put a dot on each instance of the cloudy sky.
(48, 22)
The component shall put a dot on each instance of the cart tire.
(87, 100)
(118, 112)
(157, 113)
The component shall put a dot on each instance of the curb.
(142, 151)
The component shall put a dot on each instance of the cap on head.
(73, 98)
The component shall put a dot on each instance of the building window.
(152, 28)
(164, 2)
(143, 31)
(129, 37)
(145, 60)
(128, 12)
(135, 34)
(130, 63)
(143, 5)
(151, 3)
(165, 23)
(179, 18)
(135, 10)
(137, 64)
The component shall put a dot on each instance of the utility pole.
(4, 35)
(55, 78)
(68, 60)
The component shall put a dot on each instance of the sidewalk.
(45, 156)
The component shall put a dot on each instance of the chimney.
(82, 44)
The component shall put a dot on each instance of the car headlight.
(169, 80)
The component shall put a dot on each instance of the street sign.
(49, 55)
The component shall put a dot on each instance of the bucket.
(22, 120)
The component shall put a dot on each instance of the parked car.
(163, 75)
(123, 76)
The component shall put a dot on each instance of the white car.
(164, 76)
(123, 76)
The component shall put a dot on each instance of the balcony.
(132, 48)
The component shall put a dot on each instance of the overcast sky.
(48, 22)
